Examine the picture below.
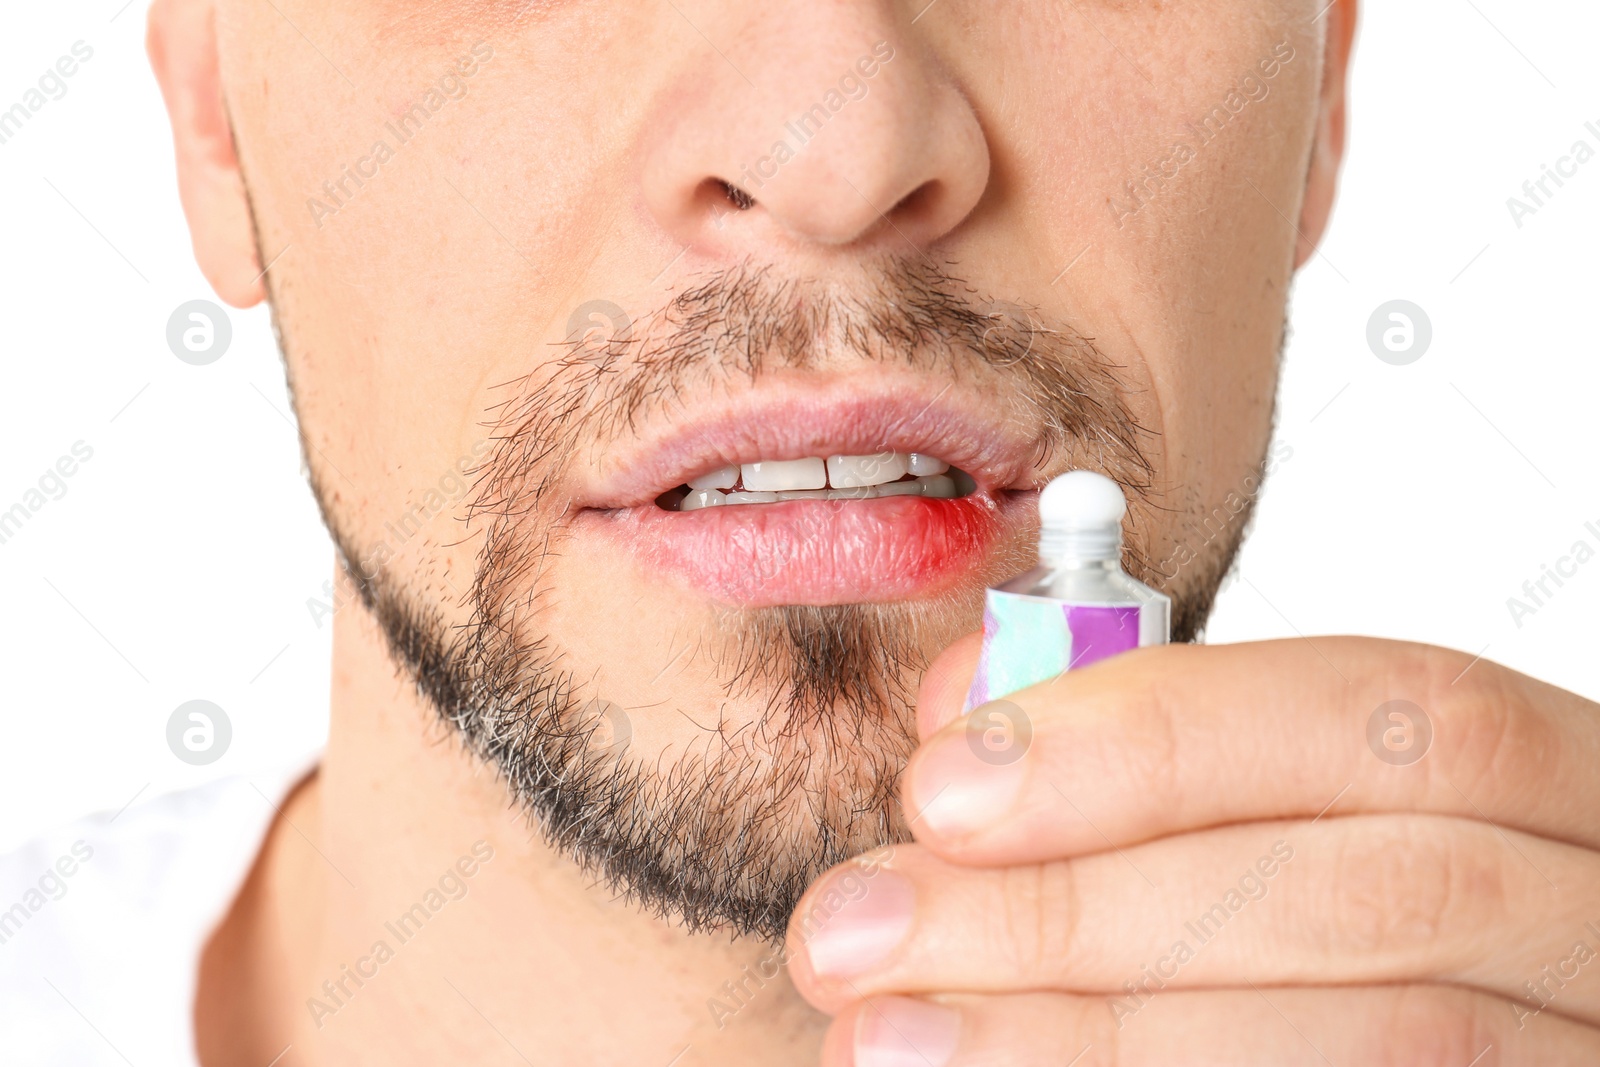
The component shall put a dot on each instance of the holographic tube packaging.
(1077, 607)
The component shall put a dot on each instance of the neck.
(402, 911)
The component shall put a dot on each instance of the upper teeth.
(836, 478)
(769, 477)
(846, 472)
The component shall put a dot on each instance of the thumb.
(945, 683)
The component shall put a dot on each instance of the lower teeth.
(934, 486)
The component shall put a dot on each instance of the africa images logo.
(1253, 87)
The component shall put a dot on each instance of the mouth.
(872, 477)
(830, 495)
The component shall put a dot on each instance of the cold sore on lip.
(821, 525)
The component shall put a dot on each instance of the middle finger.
(1370, 899)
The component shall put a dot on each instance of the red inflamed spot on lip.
(814, 551)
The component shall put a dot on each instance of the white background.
(179, 562)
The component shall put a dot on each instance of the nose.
(829, 125)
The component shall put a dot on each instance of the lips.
(874, 548)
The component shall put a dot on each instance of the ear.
(1327, 151)
(182, 43)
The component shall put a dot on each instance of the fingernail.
(902, 1032)
(856, 920)
(954, 793)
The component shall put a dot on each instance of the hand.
(1200, 857)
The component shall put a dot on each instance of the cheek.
(1177, 195)
(435, 247)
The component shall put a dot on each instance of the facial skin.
(955, 263)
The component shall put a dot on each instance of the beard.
(803, 772)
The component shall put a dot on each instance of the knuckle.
(1401, 889)
(1437, 1026)
(1495, 742)
(1489, 731)
(1468, 698)
(1142, 743)
(1038, 917)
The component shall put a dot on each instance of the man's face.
(539, 265)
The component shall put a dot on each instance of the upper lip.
(794, 421)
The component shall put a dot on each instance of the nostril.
(921, 202)
(741, 200)
(714, 200)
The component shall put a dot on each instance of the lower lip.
(817, 551)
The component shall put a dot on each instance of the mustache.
(742, 322)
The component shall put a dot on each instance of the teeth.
(773, 475)
(702, 498)
(849, 472)
(883, 474)
(721, 478)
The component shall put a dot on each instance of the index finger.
(1173, 739)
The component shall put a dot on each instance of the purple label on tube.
(1098, 632)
